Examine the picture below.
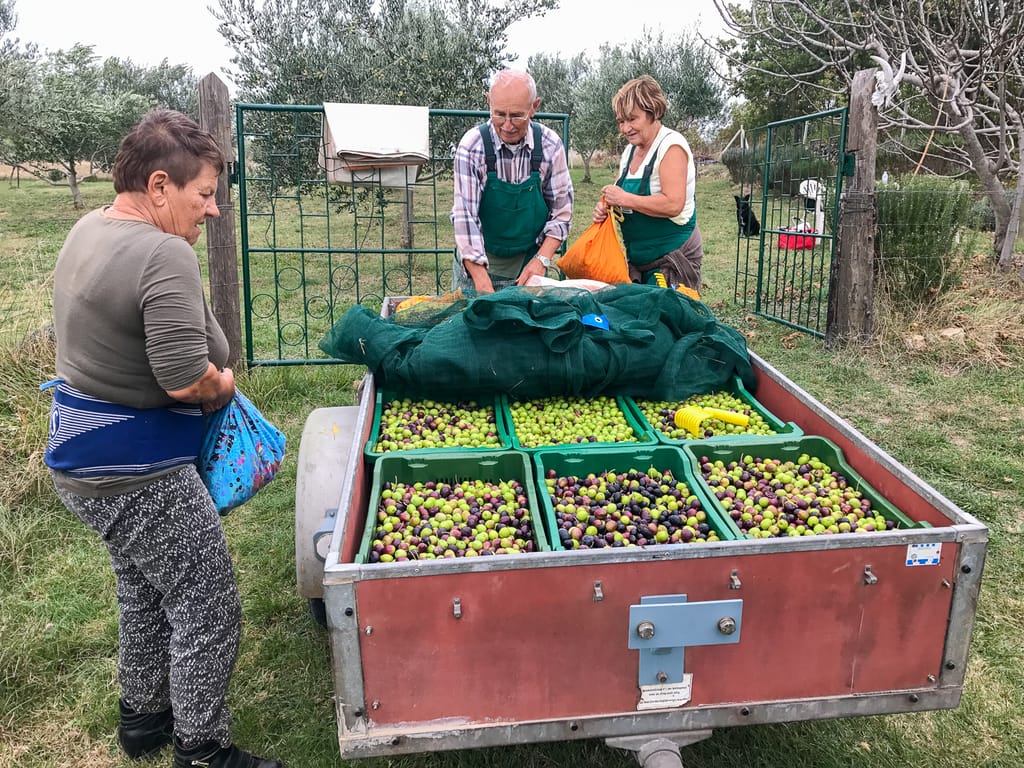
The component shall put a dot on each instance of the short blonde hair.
(641, 94)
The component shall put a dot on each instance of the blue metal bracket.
(663, 625)
(326, 529)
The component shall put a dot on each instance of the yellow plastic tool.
(689, 417)
(661, 281)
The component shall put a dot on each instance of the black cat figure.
(749, 225)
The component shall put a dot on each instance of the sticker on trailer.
(924, 554)
(666, 695)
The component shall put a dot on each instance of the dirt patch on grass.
(65, 745)
(12, 174)
(14, 244)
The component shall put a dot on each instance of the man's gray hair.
(515, 75)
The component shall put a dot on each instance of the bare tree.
(954, 67)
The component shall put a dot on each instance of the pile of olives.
(568, 420)
(410, 424)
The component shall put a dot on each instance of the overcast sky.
(185, 32)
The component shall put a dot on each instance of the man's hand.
(533, 267)
(481, 279)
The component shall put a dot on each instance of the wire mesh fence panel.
(316, 242)
(789, 176)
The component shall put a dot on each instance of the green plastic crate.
(736, 389)
(568, 461)
(642, 433)
(789, 448)
(440, 466)
(504, 440)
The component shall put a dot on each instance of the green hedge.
(922, 235)
(790, 164)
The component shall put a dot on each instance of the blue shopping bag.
(241, 452)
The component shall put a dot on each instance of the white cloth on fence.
(381, 143)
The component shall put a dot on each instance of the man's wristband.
(546, 261)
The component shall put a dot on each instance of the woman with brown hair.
(655, 190)
(140, 358)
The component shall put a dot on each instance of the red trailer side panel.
(811, 626)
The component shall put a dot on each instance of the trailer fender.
(327, 442)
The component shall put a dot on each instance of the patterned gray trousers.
(180, 613)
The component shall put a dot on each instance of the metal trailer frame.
(413, 612)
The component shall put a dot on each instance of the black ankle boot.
(144, 733)
(211, 754)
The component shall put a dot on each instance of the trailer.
(648, 648)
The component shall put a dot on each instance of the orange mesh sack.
(599, 253)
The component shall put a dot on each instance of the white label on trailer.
(666, 695)
(924, 554)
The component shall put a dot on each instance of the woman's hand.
(213, 390)
(226, 390)
(615, 195)
(600, 212)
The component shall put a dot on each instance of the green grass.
(956, 418)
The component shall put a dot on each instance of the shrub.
(790, 164)
(745, 167)
(983, 218)
(922, 236)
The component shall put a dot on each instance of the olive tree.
(593, 126)
(557, 80)
(13, 62)
(436, 53)
(60, 119)
(171, 86)
(684, 68)
(8, 21)
(955, 67)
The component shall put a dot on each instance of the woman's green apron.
(648, 238)
(511, 215)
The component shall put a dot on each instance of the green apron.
(511, 215)
(648, 238)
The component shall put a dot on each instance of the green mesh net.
(428, 311)
(535, 342)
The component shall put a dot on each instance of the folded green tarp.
(653, 343)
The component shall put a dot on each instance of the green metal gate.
(793, 172)
(311, 249)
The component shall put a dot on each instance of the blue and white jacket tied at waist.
(90, 437)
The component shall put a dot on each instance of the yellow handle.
(690, 417)
(729, 417)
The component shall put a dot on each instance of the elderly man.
(513, 194)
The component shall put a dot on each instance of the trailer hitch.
(661, 627)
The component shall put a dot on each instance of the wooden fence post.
(215, 117)
(851, 285)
